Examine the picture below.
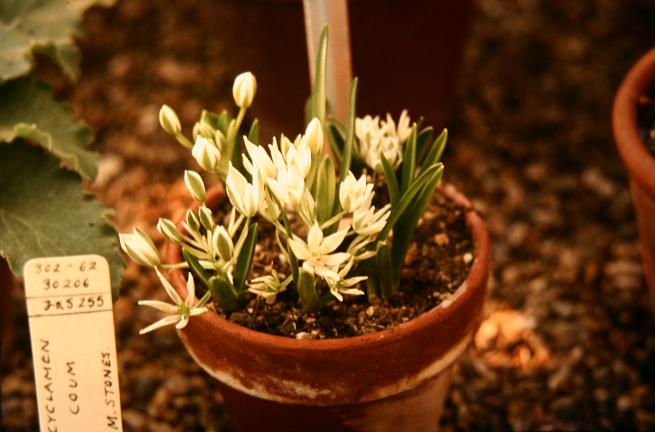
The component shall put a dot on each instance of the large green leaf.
(28, 111)
(44, 26)
(45, 211)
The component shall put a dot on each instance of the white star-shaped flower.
(180, 312)
(317, 253)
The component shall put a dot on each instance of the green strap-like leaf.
(422, 141)
(318, 105)
(244, 260)
(44, 212)
(404, 229)
(384, 269)
(409, 161)
(307, 291)
(195, 267)
(407, 197)
(344, 166)
(325, 190)
(336, 139)
(48, 27)
(28, 111)
(436, 151)
(223, 294)
(253, 134)
(390, 180)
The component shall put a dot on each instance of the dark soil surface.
(438, 261)
(646, 119)
(568, 341)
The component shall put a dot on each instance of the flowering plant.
(336, 228)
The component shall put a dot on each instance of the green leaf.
(384, 269)
(253, 134)
(195, 267)
(307, 291)
(44, 212)
(407, 197)
(223, 294)
(346, 157)
(422, 141)
(325, 189)
(404, 230)
(336, 139)
(318, 102)
(244, 260)
(409, 161)
(390, 180)
(48, 27)
(28, 111)
(436, 151)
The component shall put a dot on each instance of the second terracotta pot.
(392, 380)
(639, 162)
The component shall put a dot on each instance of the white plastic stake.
(334, 13)
(73, 344)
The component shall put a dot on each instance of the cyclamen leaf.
(48, 27)
(29, 111)
(45, 211)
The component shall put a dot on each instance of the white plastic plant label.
(71, 322)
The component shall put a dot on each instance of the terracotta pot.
(637, 159)
(407, 55)
(392, 380)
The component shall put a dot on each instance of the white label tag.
(73, 344)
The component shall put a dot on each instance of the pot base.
(416, 410)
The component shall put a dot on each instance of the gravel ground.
(568, 341)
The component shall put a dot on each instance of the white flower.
(354, 193)
(244, 196)
(259, 162)
(403, 130)
(268, 286)
(169, 121)
(299, 159)
(140, 248)
(318, 254)
(206, 153)
(244, 89)
(338, 285)
(368, 222)
(376, 137)
(195, 185)
(181, 311)
(313, 137)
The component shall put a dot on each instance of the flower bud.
(192, 222)
(202, 129)
(222, 244)
(195, 185)
(244, 89)
(169, 121)
(314, 136)
(169, 230)
(206, 154)
(206, 218)
(140, 248)
(243, 195)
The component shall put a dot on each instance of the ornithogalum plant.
(343, 223)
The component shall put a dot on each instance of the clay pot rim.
(464, 294)
(636, 157)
